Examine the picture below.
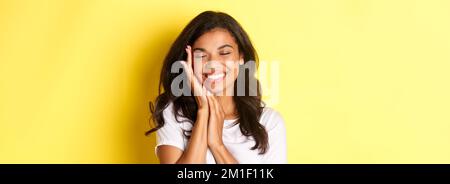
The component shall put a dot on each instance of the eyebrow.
(200, 49)
(221, 47)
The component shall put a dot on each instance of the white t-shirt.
(236, 143)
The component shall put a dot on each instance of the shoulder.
(169, 116)
(271, 118)
(171, 133)
(172, 119)
(169, 111)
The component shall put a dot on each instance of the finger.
(189, 55)
(187, 70)
(189, 76)
(211, 107)
(221, 109)
(205, 91)
(217, 105)
(196, 78)
(185, 66)
(195, 84)
(198, 66)
(214, 104)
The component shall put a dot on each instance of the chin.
(217, 91)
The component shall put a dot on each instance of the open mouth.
(214, 73)
(215, 77)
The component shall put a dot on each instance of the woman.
(212, 126)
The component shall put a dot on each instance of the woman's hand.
(215, 128)
(215, 122)
(209, 123)
(197, 147)
(199, 91)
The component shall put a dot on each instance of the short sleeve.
(276, 130)
(172, 132)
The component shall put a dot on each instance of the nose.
(215, 61)
(212, 66)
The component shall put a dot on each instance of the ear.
(241, 59)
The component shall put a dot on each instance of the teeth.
(216, 76)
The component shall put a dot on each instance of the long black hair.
(249, 107)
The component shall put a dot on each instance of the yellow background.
(362, 81)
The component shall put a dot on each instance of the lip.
(216, 76)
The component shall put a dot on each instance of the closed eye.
(225, 53)
(200, 55)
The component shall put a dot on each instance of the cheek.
(233, 74)
(236, 71)
(233, 68)
(201, 69)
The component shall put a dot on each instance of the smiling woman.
(213, 126)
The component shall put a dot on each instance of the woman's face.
(216, 61)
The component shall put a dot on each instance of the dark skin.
(214, 49)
